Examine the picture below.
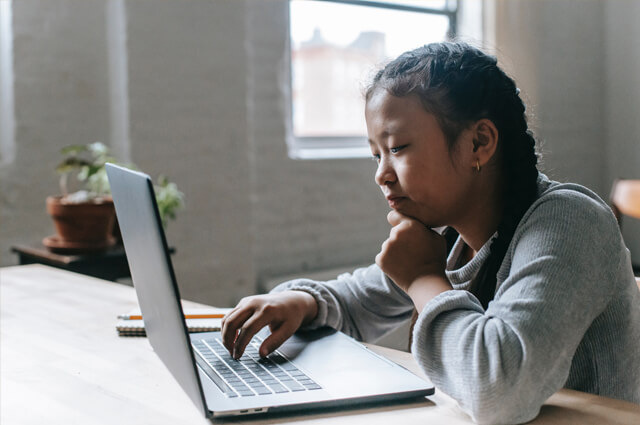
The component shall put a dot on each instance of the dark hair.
(459, 84)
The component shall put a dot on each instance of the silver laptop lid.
(144, 242)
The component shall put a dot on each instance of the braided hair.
(459, 84)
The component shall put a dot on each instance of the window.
(336, 46)
(7, 114)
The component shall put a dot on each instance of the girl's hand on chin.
(411, 251)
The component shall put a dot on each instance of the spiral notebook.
(130, 325)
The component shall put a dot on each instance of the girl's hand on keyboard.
(283, 312)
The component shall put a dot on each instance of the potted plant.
(84, 214)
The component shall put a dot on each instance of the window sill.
(310, 148)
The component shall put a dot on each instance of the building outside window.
(336, 46)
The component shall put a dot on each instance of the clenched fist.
(413, 253)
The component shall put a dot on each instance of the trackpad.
(327, 352)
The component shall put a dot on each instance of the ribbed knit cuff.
(321, 318)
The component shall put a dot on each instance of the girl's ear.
(485, 142)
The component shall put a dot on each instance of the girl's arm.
(559, 274)
(365, 304)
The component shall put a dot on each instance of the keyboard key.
(293, 386)
(313, 386)
(279, 388)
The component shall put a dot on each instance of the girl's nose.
(385, 174)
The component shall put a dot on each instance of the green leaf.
(168, 198)
(73, 150)
(71, 164)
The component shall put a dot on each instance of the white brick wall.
(207, 94)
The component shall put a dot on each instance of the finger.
(248, 330)
(381, 257)
(233, 322)
(405, 225)
(394, 218)
(228, 314)
(278, 336)
(383, 248)
(227, 327)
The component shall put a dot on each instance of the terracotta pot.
(87, 223)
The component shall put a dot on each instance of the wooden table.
(61, 362)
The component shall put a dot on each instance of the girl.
(533, 292)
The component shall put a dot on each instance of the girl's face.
(418, 174)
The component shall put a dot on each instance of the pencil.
(186, 316)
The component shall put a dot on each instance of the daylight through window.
(336, 46)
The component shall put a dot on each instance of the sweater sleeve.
(365, 304)
(503, 363)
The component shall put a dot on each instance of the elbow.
(503, 409)
(504, 417)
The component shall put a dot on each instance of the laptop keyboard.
(251, 375)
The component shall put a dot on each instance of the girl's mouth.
(395, 201)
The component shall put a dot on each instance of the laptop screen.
(153, 276)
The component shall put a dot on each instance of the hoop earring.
(478, 168)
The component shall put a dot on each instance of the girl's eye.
(375, 157)
(397, 149)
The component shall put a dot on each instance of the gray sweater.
(566, 313)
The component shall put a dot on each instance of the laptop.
(311, 370)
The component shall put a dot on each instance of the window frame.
(342, 147)
(7, 95)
